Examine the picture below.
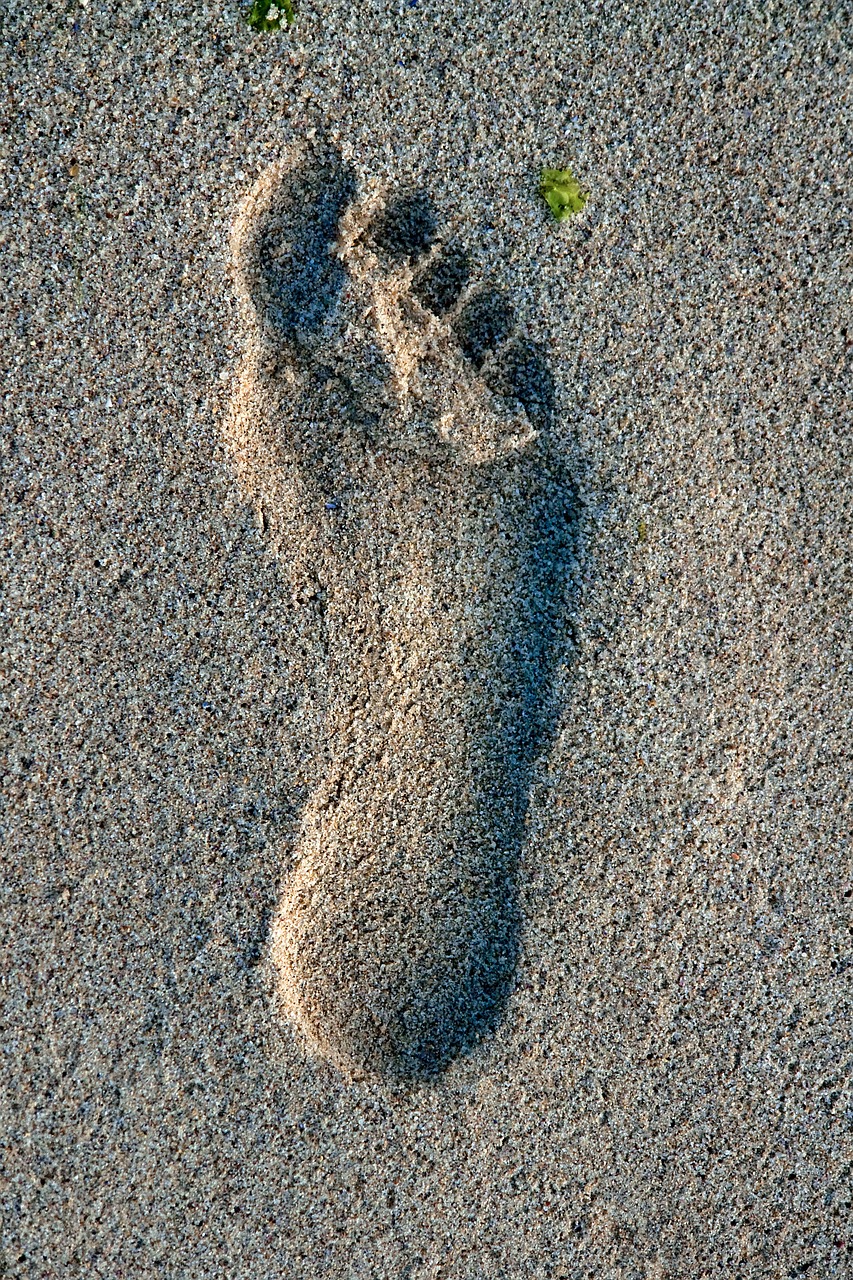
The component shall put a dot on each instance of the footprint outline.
(413, 1023)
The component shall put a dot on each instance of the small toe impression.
(300, 278)
(521, 372)
(439, 285)
(406, 228)
(484, 322)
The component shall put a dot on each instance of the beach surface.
(667, 1092)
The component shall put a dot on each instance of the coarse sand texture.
(391, 425)
(426, 639)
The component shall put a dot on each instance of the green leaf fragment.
(562, 192)
(267, 15)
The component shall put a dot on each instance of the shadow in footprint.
(405, 229)
(300, 280)
(439, 285)
(484, 323)
(397, 934)
(521, 372)
(508, 643)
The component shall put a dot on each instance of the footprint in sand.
(391, 425)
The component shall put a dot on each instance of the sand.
(667, 1089)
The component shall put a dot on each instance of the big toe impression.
(284, 244)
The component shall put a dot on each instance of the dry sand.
(667, 1092)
